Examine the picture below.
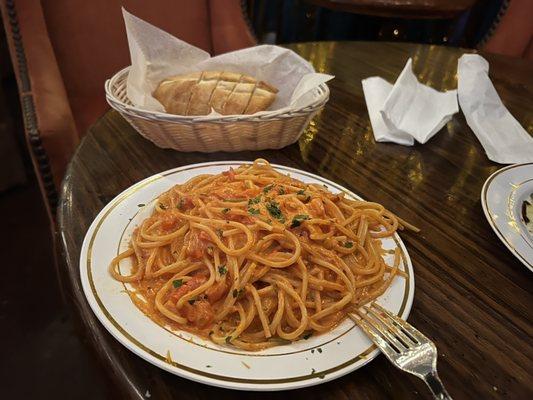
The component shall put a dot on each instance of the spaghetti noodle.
(255, 258)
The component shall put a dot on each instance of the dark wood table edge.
(80, 305)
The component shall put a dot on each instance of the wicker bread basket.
(272, 130)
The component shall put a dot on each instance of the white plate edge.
(491, 222)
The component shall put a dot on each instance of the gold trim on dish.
(492, 220)
(511, 211)
(319, 374)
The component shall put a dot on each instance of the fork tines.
(389, 332)
(404, 346)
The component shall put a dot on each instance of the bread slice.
(226, 92)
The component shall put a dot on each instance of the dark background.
(289, 21)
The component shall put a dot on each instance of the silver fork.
(404, 346)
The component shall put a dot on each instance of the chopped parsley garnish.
(177, 283)
(225, 210)
(222, 269)
(313, 370)
(191, 301)
(228, 339)
(141, 205)
(298, 219)
(268, 188)
(208, 366)
(348, 245)
(319, 350)
(281, 191)
(219, 233)
(236, 293)
(300, 192)
(181, 204)
(253, 211)
(274, 211)
(307, 335)
(162, 206)
(255, 200)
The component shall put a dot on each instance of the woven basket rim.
(320, 99)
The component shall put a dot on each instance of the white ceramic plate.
(502, 196)
(319, 359)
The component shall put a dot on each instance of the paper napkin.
(500, 134)
(407, 110)
(376, 91)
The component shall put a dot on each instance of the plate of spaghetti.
(243, 275)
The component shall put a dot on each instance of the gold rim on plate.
(491, 219)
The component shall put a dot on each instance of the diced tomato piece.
(215, 292)
(197, 244)
(193, 283)
(186, 203)
(204, 236)
(317, 208)
(230, 174)
(169, 220)
(200, 313)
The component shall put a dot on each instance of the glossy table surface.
(472, 297)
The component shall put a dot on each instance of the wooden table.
(472, 297)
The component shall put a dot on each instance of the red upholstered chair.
(512, 33)
(63, 51)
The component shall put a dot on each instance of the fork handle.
(435, 385)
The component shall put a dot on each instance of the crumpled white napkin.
(500, 134)
(156, 55)
(407, 110)
(376, 91)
